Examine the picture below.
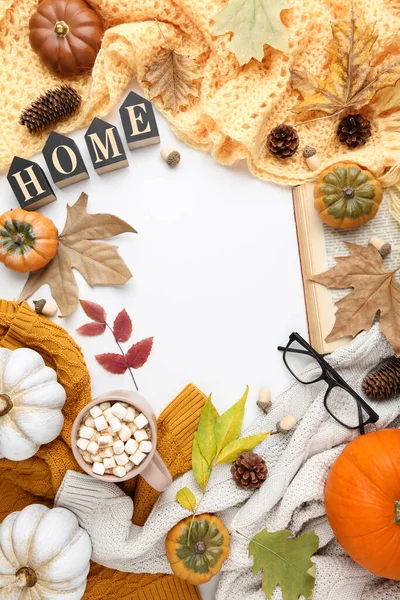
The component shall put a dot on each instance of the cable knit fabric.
(236, 108)
(291, 497)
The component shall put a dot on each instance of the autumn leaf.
(253, 23)
(231, 451)
(374, 289)
(114, 363)
(352, 81)
(201, 469)
(186, 499)
(92, 329)
(387, 100)
(229, 424)
(93, 311)
(122, 327)
(205, 431)
(98, 262)
(138, 354)
(285, 562)
(171, 77)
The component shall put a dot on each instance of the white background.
(216, 274)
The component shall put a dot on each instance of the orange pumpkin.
(197, 560)
(362, 499)
(28, 240)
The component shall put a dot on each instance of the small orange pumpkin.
(362, 500)
(199, 559)
(28, 240)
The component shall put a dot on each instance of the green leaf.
(228, 426)
(186, 499)
(232, 450)
(205, 432)
(253, 24)
(286, 562)
(201, 470)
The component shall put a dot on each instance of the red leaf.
(94, 311)
(114, 363)
(92, 329)
(122, 327)
(139, 353)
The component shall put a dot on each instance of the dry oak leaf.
(352, 81)
(98, 262)
(374, 290)
(253, 23)
(171, 77)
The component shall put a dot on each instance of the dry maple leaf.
(374, 290)
(98, 262)
(352, 81)
(171, 77)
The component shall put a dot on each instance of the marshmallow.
(119, 471)
(115, 424)
(89, 421)
(97, 458)
(108, 414)
(100, 423)
(131, 446)
(129, 466)
(96, 411)
(125, 433)
(121, 459)
(106, 453)
(119, 447)
(138, 457)
(98, 468)
(118, 410)
(86, 432)
(109, 463)
(145, 446)
(130, 415)
(141, 421)
(105, 440)
(105, 405)
(87, 457)
(140, 435)
(93, 448)
(132, 427)
(82, 443)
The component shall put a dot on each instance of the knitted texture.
(237, 107)
(291, 497)
(37, 479)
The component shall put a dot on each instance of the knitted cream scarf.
(237, 106)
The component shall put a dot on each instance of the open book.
(318, 246)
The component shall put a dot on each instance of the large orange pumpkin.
(362, 499)
(28, 240)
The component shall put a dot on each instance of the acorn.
(45, 308)
(264, 400)
(286, 424)
(312, 159)
(171, 157)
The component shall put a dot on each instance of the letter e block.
(105, 146)
(29, 184)
(139, 122)
(64, 160)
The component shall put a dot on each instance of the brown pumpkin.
(197, 560)
(28, 240)
(362, 499)
(66, 34)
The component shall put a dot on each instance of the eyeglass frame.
(332, 379)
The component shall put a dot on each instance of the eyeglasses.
(341, 401)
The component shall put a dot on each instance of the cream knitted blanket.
(291, 497)
(236, 108)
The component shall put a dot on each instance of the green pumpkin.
(347, 195)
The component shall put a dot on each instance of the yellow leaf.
(387, 100)
(205, 432)
(232, 450)
(171, 77)
(228, 426)
(352, 81)
(253, 23)
(186, 499)
(201, 470)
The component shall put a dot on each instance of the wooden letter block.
(139, 122)
(105, 147)
(64, 160)
(29, 184)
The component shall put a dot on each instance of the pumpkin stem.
(26, 577)
(18, 239)
(61, 29)
(348, 193)
(5, 404)
(200, 547)
(397, 512)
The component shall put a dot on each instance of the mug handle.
(156, 474)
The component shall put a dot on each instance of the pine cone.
(249, 471)
(354, 130)
(49, 108)
(383, 382)
(283, 141)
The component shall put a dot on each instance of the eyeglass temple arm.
(296, 351)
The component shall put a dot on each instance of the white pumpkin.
(44, 555)
(31, 400)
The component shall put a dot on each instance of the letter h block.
(29, 184)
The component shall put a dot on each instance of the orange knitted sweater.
(37, 480)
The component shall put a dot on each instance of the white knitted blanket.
(291, 497)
